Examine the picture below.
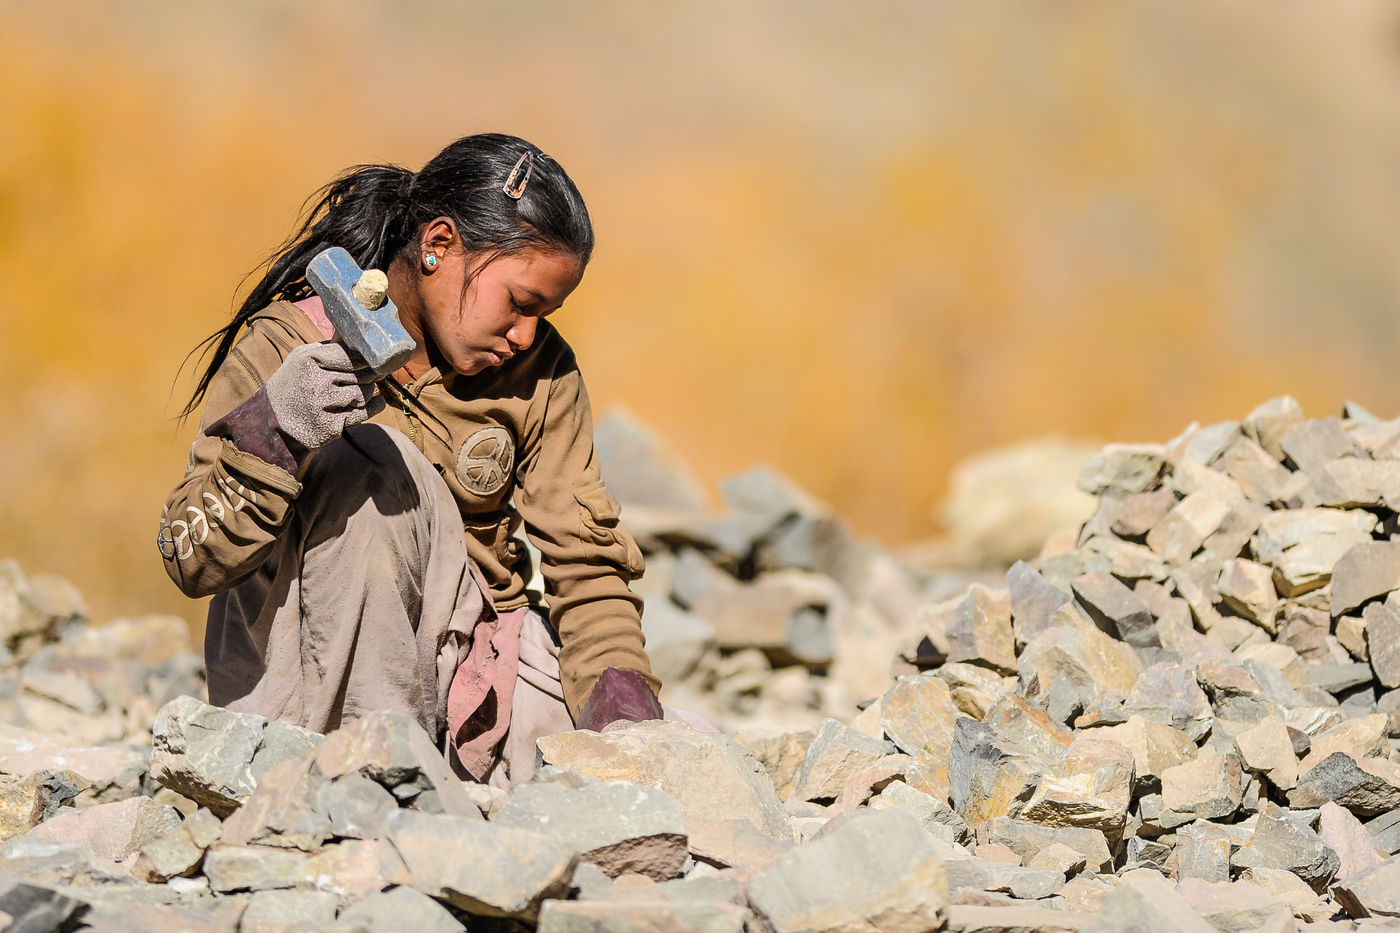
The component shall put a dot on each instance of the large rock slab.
(1365, 572)
(878, 872)
(111, 772)
(499, 871)
(1209, 787)
(618, 826)
(711, 775)
(836, 754)
(111, 832)
(1282, 841)
(1145, 902)
(659, 916)
(1366, 786)
(918, 715)
(215, 756)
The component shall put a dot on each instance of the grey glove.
(318, 392)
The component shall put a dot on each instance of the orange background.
(857, 241)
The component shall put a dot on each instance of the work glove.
(619, 695)
(319, 391)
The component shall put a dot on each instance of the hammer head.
(374, 333)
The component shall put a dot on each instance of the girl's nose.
(522, 333)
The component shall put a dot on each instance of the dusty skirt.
(369, 602)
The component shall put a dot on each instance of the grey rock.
(111, 832)
(619, 827)
(1202, 852)
(1210, 787)
(253, 868)
(676, 639)
(1237, 908)
(215, 756)
(1116, 609)
(1282, 841)
(936, 817)
(1145, 902)
(1155, 747)
(1124, 469)
(1366, 787)
(1185, 529)
(1026, 839)
(981, 632)
(288, 911)
(1170, 694)
(1338, 678)
(1313, 444)
(356, 807)
(483, 868)
(1385, 830)
(1372, 893)
(978, 874)
(1344, 833)
(988, 776)
(880, 872)
(1351, 482)
(1089, 786)
(29, 908)
(1383, 643)
(1034, 601)
(709, 774)
(733, 844)
(1260, 477)
(1268, 424)
(918, 714)
(400, 908)
(1365, 572)
(1248, 589)
(658, 916)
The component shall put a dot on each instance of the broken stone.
(1089, 786)
(1248, 589)
(1267, 748)
(989, 777)
(617, 826)
(1202, 852)
(1237, 908)
(484, 868)
(111, 832)
(1383, 643)
(1260, 477)
(918, 715)
(399, 908)
(661, 915)
(288, 911)
(709, 774)
(780, 754)
(1346, 836)
(1185, 529)
(26, 801)
(1365, 572)
(1281, 841)
(252, 868)
(1313, 444)
(113, 772)
(934, 814)
(1372, 893)
(1366, 787)
(1351, 482)
(1124, 469)
(1170, 694)
(1144, 900)
(1126, 560)
(1271, 422)
(981, 633)
(1115, 609)
(1027, 839)
(215, 756)
(1083, 653)
(880, 872)
(1210, 787)
(28, 907)
(178, 851)
(1155, 747)
(1035, 601)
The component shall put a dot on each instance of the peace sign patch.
(485, 461)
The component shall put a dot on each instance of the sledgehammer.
(357, 303)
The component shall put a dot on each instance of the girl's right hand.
(319, 391)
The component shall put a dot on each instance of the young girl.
(327, 512)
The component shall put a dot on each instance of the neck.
(403, 292)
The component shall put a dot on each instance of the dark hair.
(374, 212)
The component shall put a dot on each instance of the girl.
(361, 538)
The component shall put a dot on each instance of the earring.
(430, 260)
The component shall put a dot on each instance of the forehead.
(550, 275)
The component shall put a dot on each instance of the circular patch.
(485, 461)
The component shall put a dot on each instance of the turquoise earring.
(430, 261)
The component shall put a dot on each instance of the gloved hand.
(318, 391)
(619, 694)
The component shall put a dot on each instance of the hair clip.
(517, 179)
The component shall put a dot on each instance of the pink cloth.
(480, 696)
(317, 312)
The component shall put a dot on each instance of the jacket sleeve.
(588, 558)
(221, 521)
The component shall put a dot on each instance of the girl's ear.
(439, 234)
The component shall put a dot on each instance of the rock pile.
(1185, 717)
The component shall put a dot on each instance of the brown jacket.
(514, 444)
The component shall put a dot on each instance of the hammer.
(357, 303)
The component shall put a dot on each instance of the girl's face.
(495, 315)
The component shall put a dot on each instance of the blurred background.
(860, 242)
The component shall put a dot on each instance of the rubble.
(1184, 717)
